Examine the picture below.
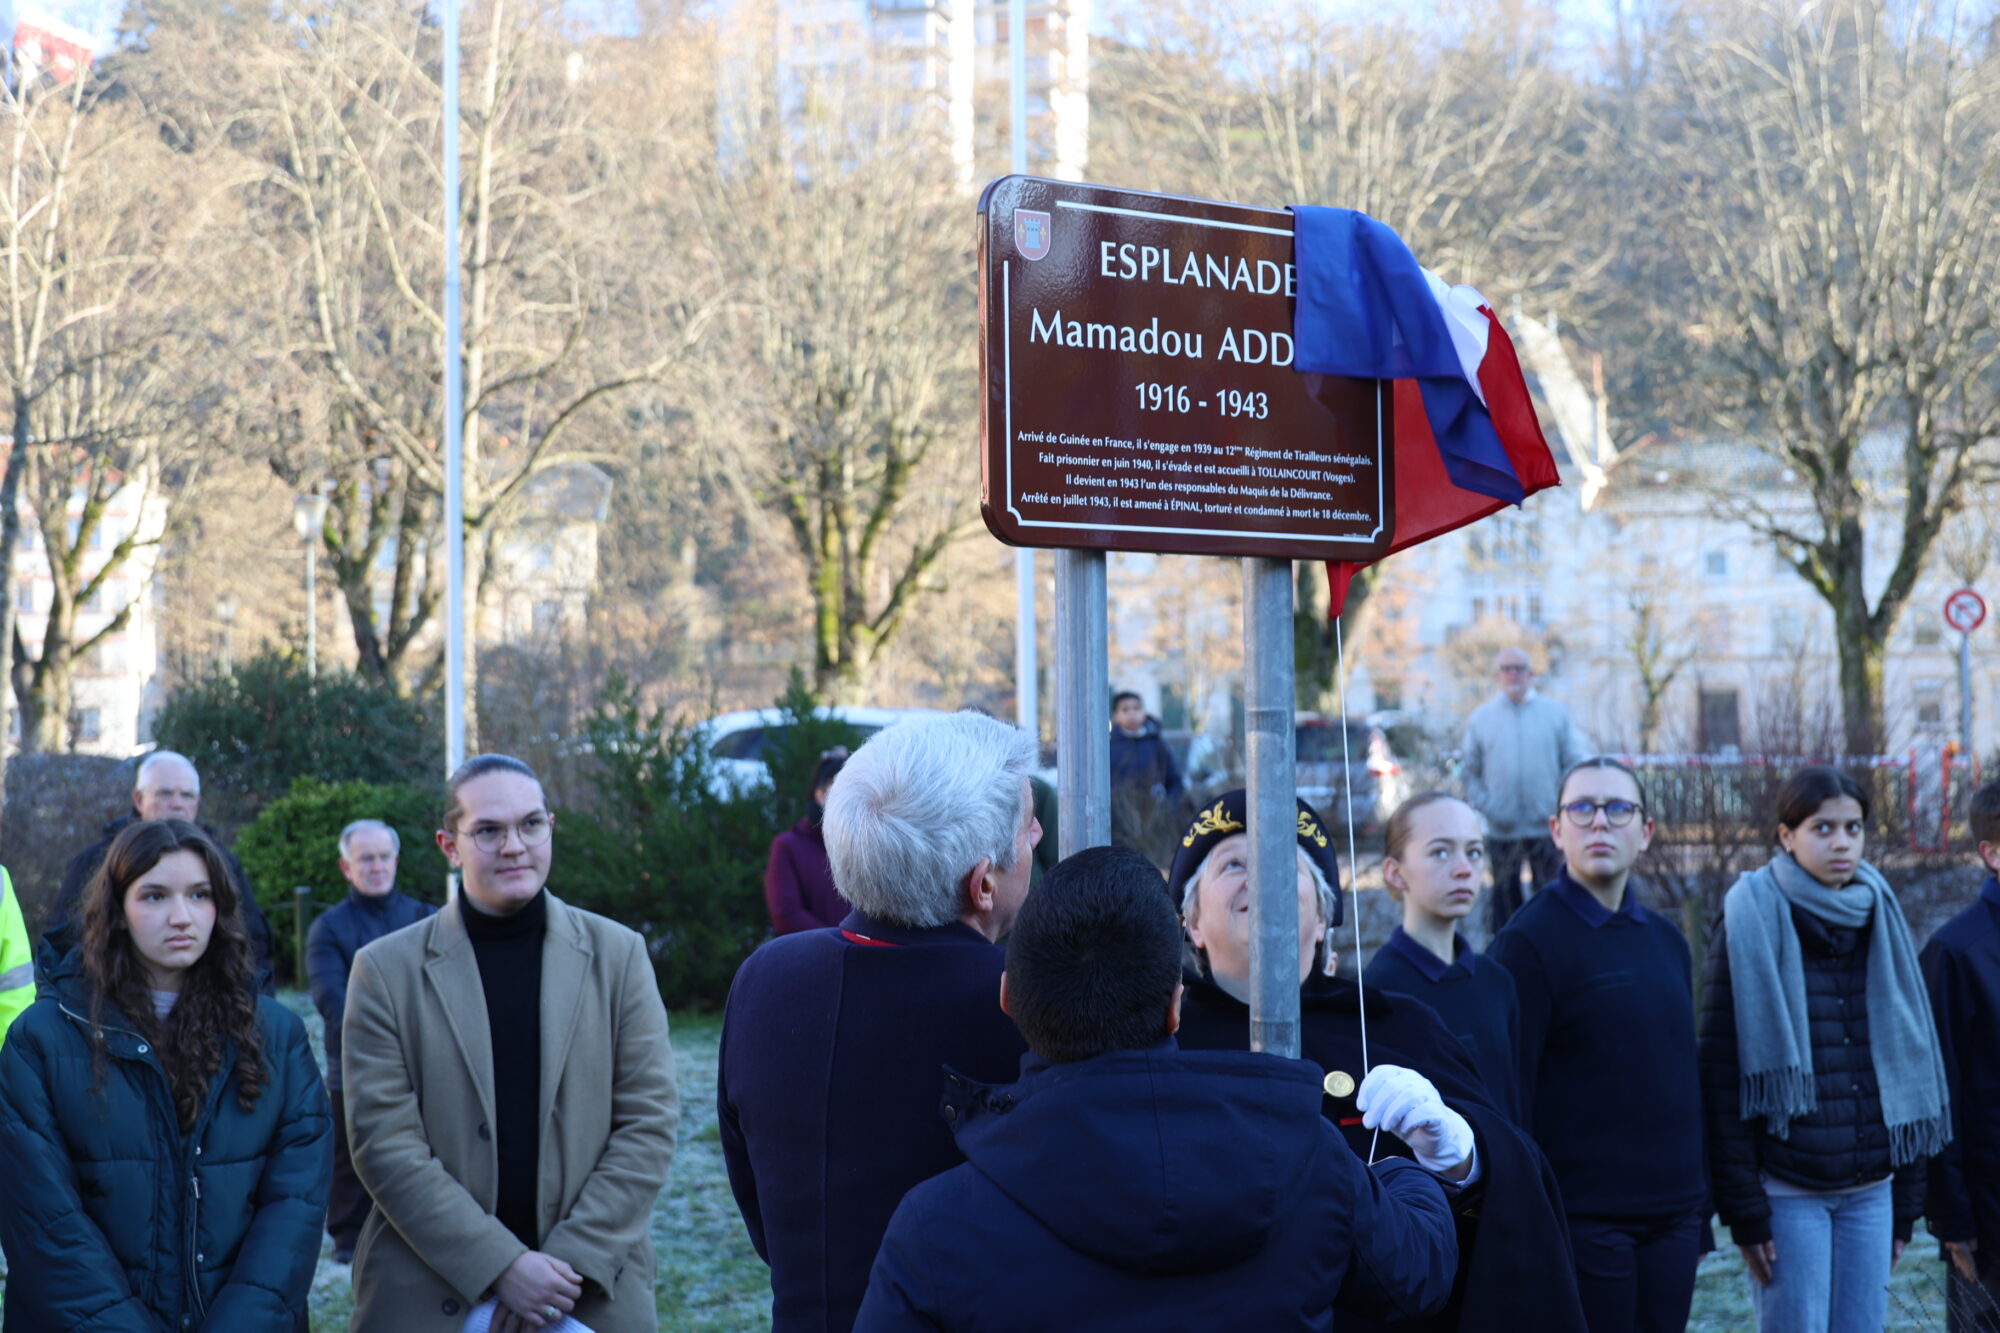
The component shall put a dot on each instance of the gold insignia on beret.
(1216, 820)
(1339, 1083)
(1309, 828)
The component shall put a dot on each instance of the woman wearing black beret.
(1518, 1276)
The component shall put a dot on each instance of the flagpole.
(454, 423)
(1027, 691)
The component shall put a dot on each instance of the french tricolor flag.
(1467, 441)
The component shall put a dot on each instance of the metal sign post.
(1027, 687)
(454, 419)
(1273, 791)
(1083, 703)
(1965, 611)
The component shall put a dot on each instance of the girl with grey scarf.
(1817, 1024)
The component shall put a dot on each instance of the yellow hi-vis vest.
(17, 957)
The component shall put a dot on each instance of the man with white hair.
(369, 851)
(165, 787)
(835, 1042)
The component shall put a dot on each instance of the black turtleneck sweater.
(509, 950)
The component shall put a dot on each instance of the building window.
(1389, 692)
(1479, 608)
(1928, 634)
(1718, 633)
(1930, 704)
(1716, 564)
(1787, 633)
(24, 597)
(548, 619)
(1720, 721)
(87, 725)
(1535, 609)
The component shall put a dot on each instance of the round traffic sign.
(1965, 610)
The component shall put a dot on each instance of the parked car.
(1208, 766)
(1374, 772)
(1364, 771)
(737, 741)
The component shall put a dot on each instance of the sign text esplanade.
(1140, 395)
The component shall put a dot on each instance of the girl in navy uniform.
(1609, 1086)
(1434, 866)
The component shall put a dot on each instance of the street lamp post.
(309, 520)
(225, 611)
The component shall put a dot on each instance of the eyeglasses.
(1616, 813)
(533, 832)
(837, 752)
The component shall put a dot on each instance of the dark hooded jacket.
(1962, 969)
(1514, 1271)
(60, 926)
(114, 1221)
(1152, 1191)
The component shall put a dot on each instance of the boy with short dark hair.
(1962, 969)
(1124, 1184)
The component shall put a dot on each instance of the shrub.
(794, 746)
(665, 852)
(252, 732)
(293, 843)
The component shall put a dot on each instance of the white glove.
(1404, 1102)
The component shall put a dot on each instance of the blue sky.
(97, 17)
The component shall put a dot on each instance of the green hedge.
(254, 730)
(662, 847)
(669, 856)
(294, 842)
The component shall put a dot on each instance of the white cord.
(1353, 866)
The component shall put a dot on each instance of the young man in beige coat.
(510, 1091)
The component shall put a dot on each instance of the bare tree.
(1838, 170)
(840, 377)
(1659, 652)
(553, 330)
(1469, 140)
(104, 224)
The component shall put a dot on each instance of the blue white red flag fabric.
(1467, 440)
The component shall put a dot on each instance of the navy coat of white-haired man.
(835, 1042)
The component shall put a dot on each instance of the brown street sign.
(1140, 396)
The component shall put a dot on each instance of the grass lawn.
(711, 1281)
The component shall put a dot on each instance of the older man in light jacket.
(1517, 746)
(510, 1092)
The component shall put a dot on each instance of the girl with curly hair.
(165, 1144)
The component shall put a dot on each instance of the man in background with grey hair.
(835, 1042)
(164, 787)
(1518, 744)
(369, 850)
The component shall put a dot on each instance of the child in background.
(1435, 867)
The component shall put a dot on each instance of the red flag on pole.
(1427, 503)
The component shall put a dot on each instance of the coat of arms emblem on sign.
(1031, 233)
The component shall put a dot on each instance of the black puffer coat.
(1844, 1141)
(114, 1221)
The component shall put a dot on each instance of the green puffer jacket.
(113, 1221)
